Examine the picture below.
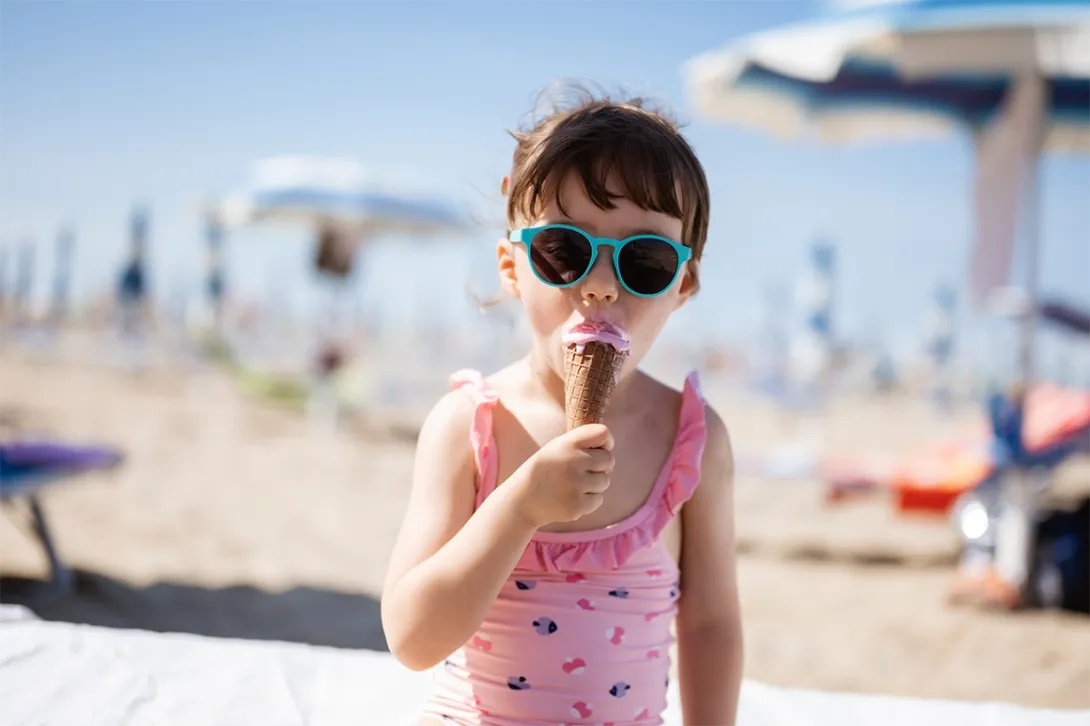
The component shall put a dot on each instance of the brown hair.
(598, 138)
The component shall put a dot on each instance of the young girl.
(542, 568)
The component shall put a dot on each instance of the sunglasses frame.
(526, 236)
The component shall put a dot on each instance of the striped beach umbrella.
(905, 69)
(1013, 74)
(819, 317)
(813, 347)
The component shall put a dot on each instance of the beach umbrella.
(366, 210)
(1012, 74)
(346, 204)
(813, 346)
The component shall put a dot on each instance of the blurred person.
(335, 253)
(324, 398)
(132, 296)
(133, 303)
(1006, 412)
(542, 568)
(334, 258)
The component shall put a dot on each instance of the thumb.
(592, 436)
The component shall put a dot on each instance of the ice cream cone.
(591, 372)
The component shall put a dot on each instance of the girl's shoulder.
(696, 418)
(687, 399)
(450, 420)
(461, 414)
(508, 381)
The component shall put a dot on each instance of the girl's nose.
(600, 285)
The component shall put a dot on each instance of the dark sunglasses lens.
(647, 265)
(560, 256)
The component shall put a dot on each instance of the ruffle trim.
(610, 547)
(480, 432)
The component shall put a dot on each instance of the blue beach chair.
(28, 468)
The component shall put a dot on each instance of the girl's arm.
(709, 623)
(449, 562)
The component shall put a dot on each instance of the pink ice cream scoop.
(591, 331)
(594, 353)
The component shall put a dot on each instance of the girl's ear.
(688, 286)
(505, 264)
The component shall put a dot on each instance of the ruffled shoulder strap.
(481, 436)
(688, 446)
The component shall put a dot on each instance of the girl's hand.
(565, 478)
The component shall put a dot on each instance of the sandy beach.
(233, 517)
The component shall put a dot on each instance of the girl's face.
(599, 295)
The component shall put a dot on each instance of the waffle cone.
(588, 382)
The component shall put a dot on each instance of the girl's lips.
(591, 331)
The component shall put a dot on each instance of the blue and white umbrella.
(339, 193)
(905, 69)
(1014, 74)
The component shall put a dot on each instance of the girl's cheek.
(546, 308)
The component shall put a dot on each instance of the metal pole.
(1027, 357)
(1021, 486)
(1032, 227)
(62, 271)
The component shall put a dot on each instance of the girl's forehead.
(575, 205)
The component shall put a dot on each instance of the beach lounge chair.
(28, 468)
(933, 478)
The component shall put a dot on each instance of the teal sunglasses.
(561, 256)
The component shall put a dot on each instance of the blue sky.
(106, 104)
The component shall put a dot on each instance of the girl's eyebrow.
(589, 229)
(643, 231)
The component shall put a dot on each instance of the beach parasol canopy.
(339, 193)
(904, 70)
(1013, 74)
(342, 201)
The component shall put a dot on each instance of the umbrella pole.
(1027, 358)
(1015, 534)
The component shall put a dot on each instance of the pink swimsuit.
(580, 632)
